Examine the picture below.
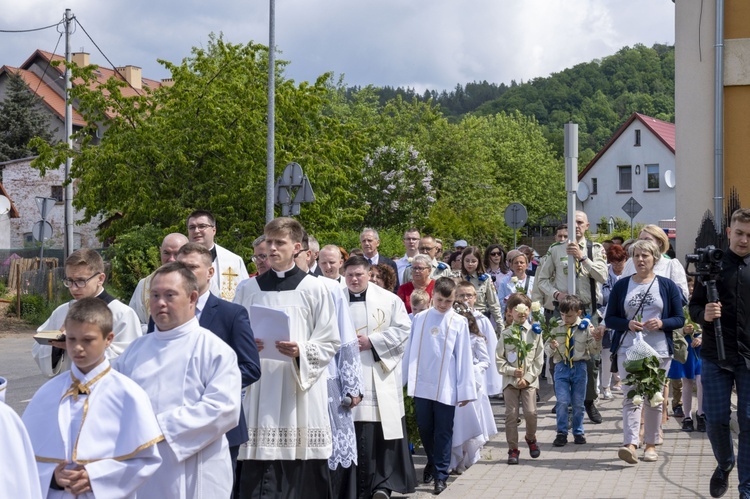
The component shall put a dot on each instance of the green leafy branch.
(647, 380)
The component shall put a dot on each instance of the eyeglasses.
(426, 248)
(193, 228)
(495, 253)
(259, 257)
(77, 283)
(418, 269)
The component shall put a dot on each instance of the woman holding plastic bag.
(643, 311)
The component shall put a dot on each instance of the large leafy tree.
(201, 143)
(21, 119)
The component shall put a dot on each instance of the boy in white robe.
(19, 476)
(105, 441)
(440, 376)
(84, 277)
(194, 384)
(287, 409)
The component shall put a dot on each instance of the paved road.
(593, 470)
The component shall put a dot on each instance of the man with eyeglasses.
(140, 299)
(411, 243)
(428, 246)
(260, 256)
(84, 278)
(229, 268)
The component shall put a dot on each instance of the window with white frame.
(652, 177)
(625, 178)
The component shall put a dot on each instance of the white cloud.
(420, 43)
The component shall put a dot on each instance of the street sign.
(293, 188)
(516, 215)
(42, 231)
(45, 205)
(632, 207)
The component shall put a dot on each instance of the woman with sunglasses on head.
(472, 270)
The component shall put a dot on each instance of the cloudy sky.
(423, 44)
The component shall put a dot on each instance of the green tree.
(21, 119)
(201, 143)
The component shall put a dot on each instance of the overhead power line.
(30, 30)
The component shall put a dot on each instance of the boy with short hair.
(572, 346)
(103, 436)
(84, 277)
(439, 375)
(520, 356)
(420, 301)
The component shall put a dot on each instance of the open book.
(44, 337)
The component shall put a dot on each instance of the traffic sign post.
(516, 217)
(292, 189)
(632, 208)
(42, 229)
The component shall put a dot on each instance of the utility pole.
(270, 146)
(571, 186)
(69, 222)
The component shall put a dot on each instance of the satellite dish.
(669, 179)
(4, 205)
(583, 192)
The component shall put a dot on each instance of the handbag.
(680, 348)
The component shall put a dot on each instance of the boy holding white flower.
(519, 357)
(570, 348)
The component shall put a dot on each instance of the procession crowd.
(293, 381)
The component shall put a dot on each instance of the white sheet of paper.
(270, 325)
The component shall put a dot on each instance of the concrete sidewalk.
(592, 470)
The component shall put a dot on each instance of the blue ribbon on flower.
(537, 328)
(585, 323)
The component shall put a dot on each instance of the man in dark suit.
(228, 321)
(369, 242)
(312, 259)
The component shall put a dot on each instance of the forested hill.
(598, 95)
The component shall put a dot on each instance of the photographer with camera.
(720, 374)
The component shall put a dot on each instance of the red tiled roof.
(58, 104)
(663, 130)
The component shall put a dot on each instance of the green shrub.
(34, 309)
(133, 256)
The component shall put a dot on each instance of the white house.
(638, 162)
(22, 184)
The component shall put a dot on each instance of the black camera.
(707, 262)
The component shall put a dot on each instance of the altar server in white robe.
(439, 375)
(287, 409)
(383, 326)
(466, 293)
(229, 268)
(194, 384)
(93, 430)
(84, 278)
(474, 423)
(18, 475)
(345, 386)
(140, 299)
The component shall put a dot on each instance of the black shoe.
(560, 440)
(687, 425)
(720, 481)
(700, 420)
(513, 456)
(554, 409)
(534, 450)
(579, 439)
(592, 412)
(427, 476)
(439, 486)
(677, 411)
(381, 494)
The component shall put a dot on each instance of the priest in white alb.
(382, 325)
(229, 268)
(193, 382)
(287, 409)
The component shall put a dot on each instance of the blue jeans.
(570, 389)
(435, 423)
(717, 392)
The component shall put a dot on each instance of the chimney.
(167, 82)
(132, 75)
(81, 58)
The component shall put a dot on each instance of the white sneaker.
(607, 394)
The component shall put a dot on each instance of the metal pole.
(271, 116)
(571, 185)
(719, 118)
(69, 229)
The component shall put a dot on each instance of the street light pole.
(270, 149)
